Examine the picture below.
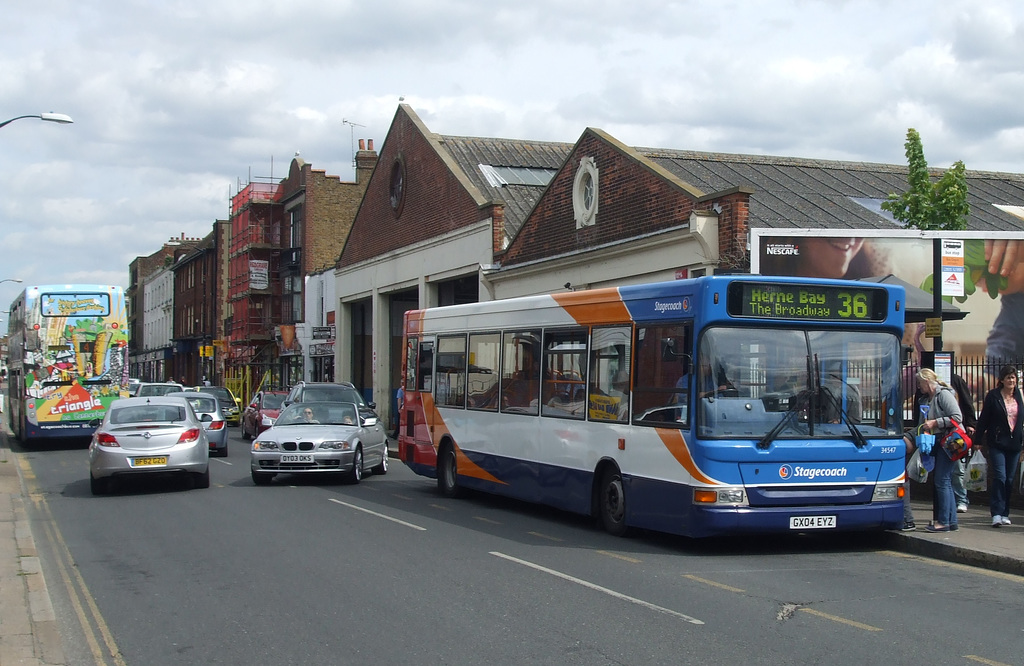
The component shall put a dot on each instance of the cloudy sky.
(176, 103)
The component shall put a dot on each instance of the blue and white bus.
(715, 405)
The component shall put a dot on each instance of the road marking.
(441, 507)
(598, 588)
(713, 583)
(836, 618)
(402, 496)
(954, 565)
(222, 462)
(486, 520)
(544, 536)
(621, 557)
(982, 660)
(79, 596)
(379, 515)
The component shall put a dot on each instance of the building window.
(296, 227)
(396, 188)
(584, 193)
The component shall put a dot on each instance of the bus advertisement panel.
(716, 405)
(67, 358)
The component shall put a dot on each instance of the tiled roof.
(519, 200)
(807, 193)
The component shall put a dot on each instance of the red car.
(261, 413)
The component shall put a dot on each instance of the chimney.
(366, 161)
(362, 144)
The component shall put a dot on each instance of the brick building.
(198, 308)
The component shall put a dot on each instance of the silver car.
(215, 426)
(156, 388)
(152, 435)
(318, 438)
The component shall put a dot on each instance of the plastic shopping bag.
(976, 478)
(916, 471)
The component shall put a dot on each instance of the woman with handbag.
(1000, 430)
(943, 408)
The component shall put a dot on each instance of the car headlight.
(265, 445)
(339, 445)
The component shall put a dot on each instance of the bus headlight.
(718, 496)
(887, 493)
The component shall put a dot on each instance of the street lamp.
(18, 280)
(60, 118)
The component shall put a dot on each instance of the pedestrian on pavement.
(1000, 432)
(942, 409)
(965, 399)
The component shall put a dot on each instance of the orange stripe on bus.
(597, 306)
(438, 429)
(414, 324)
(676, 445)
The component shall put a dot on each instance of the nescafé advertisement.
(986, 280)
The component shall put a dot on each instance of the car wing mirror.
(369, 421)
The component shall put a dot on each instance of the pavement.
(29, 634)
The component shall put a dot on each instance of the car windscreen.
(272, 400)
(147, 414)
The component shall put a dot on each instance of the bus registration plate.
(297, 457)
(812, 522)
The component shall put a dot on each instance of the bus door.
(418, 388)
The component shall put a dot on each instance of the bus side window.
(662, 377)
(520, 372)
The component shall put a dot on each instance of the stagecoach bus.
(67, 358)
(714, 405)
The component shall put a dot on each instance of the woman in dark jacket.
(1001, 431)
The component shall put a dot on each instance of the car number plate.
(812, 522)
(144, 462)
(296, 457)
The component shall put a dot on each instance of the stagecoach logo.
(782, 248)
(810, 473)
(662, 307)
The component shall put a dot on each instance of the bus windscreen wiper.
(796, 407)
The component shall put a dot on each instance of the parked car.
(229, 404)
(319, 438)
(215, 426)
(157, 388)
(329, 392)
(261, 413)
(133, 385)
(149, 435)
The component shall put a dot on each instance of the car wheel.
(612, 502)
(98, 486)
(356, 475)
(245, 435)
(447, 473)
(223, 453)
(382, 468)
(202, 480)
(261, 478)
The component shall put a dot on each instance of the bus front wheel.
(447, 473)
(612, 502)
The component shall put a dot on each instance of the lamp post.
(59, 118)
(18, 280)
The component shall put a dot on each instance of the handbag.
(956, 442)
(916, 470)
(976, 477)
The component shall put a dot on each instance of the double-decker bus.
(714, 405)
(67, 358)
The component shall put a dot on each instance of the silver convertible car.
(152, 435)
(320, 437)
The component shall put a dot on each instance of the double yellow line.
(94, 628)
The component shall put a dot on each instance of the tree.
(927, 205)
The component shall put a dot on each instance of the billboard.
(982, 274)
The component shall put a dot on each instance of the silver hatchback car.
(319, 438)
(216, 426)
(150, 435)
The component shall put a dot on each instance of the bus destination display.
(806, 302)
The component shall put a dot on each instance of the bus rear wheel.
(447, 473)
(611, 502)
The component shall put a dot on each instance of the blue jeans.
(1001, 466)
(959, 492)
(945, 501)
